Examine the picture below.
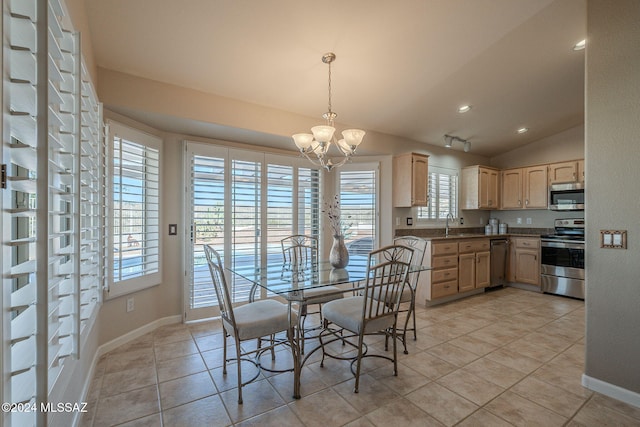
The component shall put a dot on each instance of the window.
(135, 213)
(443, 194)
(359, 206)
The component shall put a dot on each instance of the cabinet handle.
(526, 202)
(447, 286)
(446, 274)
(519, 202)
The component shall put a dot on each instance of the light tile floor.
(506, 357)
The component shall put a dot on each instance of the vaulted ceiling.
(402, 67)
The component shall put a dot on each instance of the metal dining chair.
(300, 252)
(363, 314)
(255, 320)
(408, 296)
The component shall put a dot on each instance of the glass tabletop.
(288, 281)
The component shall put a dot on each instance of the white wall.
(613, 199)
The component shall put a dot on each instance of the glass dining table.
(291, 282)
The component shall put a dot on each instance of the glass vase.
(339, 255)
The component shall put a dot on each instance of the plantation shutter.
(136, 228)
(207, 211)
(246, 216)
(358, 205)
(280, 208)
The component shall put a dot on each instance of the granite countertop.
(470, 233)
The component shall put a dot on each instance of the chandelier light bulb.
(303, 140)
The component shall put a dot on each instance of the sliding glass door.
(242, 203)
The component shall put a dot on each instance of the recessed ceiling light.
(580, 45)
(464, 108)
(523, 130)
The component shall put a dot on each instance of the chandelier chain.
(329, 89)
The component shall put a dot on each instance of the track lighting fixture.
(449, 139)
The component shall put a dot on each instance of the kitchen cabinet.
(563, 172)
(480, 187)
(410, 180)
(581, 171)
(524, 265)
(442, 279)
(474, 269)
(512, 187)
(535, 187)
(524, 188)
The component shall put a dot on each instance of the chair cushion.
(347, 314)
(261, 318)
(322, 295)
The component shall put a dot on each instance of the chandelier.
(318, 143)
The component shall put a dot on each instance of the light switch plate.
(613, 239)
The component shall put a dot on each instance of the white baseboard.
(136, 333)
(611, 390)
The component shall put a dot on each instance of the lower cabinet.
(524, 265)
(456, 267)
(474, 269)
(442, 279)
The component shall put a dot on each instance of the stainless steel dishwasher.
(499, 254)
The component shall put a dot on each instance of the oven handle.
(563, 245)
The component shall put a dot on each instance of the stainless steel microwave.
(566, 197)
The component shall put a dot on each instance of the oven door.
(564, 259)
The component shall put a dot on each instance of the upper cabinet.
(410, 180)
(524, 188)
(581, 171)
(480, 187)
(535, 187)
(564, 172)
(512, 188)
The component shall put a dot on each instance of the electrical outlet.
(130, 305)
(481, 221)
(529, 221)
(461, 221)
(519, 221)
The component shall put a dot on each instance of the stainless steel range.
(562, 270)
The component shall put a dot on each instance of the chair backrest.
(300, 251)
(419, 246)
(220, 285)
(386, 275)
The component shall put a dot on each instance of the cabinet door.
(494, 189)
(535, 187)
(563, 172)
(581, 171)
(466, 272)
(483, 269)
(488, 188)
(512, 189)
(527, 267)
(420, 180)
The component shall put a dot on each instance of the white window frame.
(118, 288)
(434, 198)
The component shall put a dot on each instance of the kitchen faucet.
(446, 227)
